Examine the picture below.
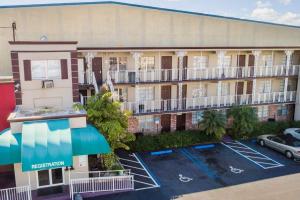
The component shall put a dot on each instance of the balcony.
(196, 74)
(202, 103)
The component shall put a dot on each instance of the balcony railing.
(167, 75)
(190, 104)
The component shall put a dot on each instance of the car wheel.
(262, 143)
(289, 154)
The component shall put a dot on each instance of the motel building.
(165, 66)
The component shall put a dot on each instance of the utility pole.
(13, 27)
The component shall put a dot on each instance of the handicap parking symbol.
(236, 170)
(184, 179)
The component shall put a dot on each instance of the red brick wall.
(173, 122)
(133, 124)
(188, 121)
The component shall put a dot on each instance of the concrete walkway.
(284, 187)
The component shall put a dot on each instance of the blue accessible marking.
(207, 146)
(156, 153)
(201, 165)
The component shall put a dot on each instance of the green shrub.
(170, 140)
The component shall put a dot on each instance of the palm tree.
(213, 123)
(244, 120)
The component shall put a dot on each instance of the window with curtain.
(263, 111)
(265, 86)
(225, 90)
(45, 69)
(281, 85)
(146, 123)
(147, 63)
(227, 61)
(197, 117)
(117, 63)
(146, 93)
(200, 62)
(282, 110)
(200, 92)
(268, 60)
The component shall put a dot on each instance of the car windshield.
(295, 143)
(297, 131)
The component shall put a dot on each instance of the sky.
(277, 11)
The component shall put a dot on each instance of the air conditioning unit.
(47, 84)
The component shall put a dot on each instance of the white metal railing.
(163, 75)
(207, 102)
(16, 193)
(101, 184)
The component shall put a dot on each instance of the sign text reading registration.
(48, 165)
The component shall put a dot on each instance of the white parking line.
(128, 160)
(252, 158)
(157, 185)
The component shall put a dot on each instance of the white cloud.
(285, 2)
(263, 4)
(265, 12)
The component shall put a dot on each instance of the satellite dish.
(44, 38)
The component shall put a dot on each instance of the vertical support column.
(136, 56)
(253, 91)
(288, 54)
(221, 55)
(288, 63)
(89, 71)
(256, 54)
(137, 63)
(219, 91)
(286, 80)
(180, 55)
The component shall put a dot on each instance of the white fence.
(163, 75)
(207, 102)
(101, 184)
(17, 193)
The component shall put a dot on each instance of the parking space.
(252, 155)
(192, 169)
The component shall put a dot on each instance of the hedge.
(170, 140)
(188, 138)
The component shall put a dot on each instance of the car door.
(277, 144)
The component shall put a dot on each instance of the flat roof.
(146, 7)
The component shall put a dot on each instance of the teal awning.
(88, 141)
(46, 145)
(10, 147)
(49, 144)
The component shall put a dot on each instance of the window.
(45, 69)
(227, 61)
(200, 62)
(225, 89)
(117, 63)
(148, 63)
(122, 94)
(265, 86)
(197, 117)
(146, 93)
(281, 85)
(282, 110)
(268, 60)
(146, 123)
(201, 92)
(263, 111)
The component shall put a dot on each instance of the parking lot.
(194, 169)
